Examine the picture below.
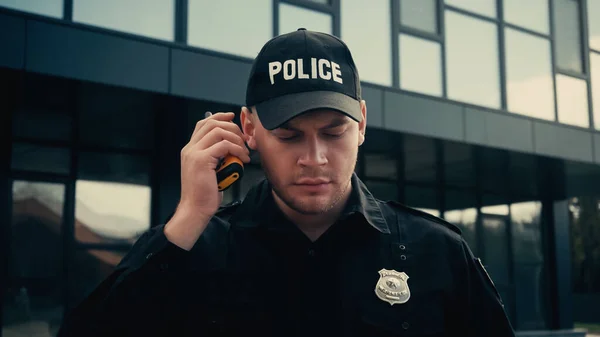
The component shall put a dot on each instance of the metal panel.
(403, 112)
(12, 40)
(209, 77)
(563, 264)
(374, 99)
(562, 141)
(475, 125)
(104, 58)
(509, 132)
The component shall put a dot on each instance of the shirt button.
(149, 256)
(402, 247)
(405, 325)
(403, 257)
(312, 253)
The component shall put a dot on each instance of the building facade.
(485, 113)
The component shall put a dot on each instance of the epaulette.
(426, 215)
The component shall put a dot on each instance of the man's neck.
(313, 226)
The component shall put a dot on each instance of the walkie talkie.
(229, 170)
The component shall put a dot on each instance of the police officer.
(309, 251)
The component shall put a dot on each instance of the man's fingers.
(225, 147)
(211, 124)
(216, 135)
(219, 116)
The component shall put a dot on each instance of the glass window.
(375, 62)
(423, 198)
(593, 10)
(483, 7)
(529, 70)
(381, 166)
(572, 101)
(523, 174)
(208, 29)
(495, 245)
(383, 190)
(493, 170)
(33, 296)
(293, 17)
(459, 166)
(37, 158)
(419, 14)
(472, 60)
(112, 198)
(530, 14)
(420, 65)
(526, 228)
(419, 159)
(567, 35)
(52, 8)
(151, 18)
(461, 210)
(595, 78)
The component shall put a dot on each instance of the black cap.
(302, 71)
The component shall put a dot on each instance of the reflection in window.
(34, 293)
(422, 198)
(36, 158)
(208, 29)
(375, 62)
(151, 18)
(495, 245)
(595, 79)
(419, 159)
(526, 227)
(472, 60)
(465, 219)
(459, 165)
(107, 212)
(584, 215)
(483, 7)
(530, 14)
(420, 65)
(53, 8)
(572, 101)
(593, 10)
(380, 166)
(567, 34)
(419, 14)
(529, 70)
(293, 17)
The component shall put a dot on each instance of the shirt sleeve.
(482, 310)
(128, 298)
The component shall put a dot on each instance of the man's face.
(309, 160)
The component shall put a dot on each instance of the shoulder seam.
(428, 216)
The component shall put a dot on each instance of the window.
(419, 14)
(593, 10)
(151, 18)
(422, 198)
(52, 8)
(293, 17)
(529, 70)
(374, 62)
(567, 34)
(530, 14)
(482, 7)
(380, 166)
(420, 65)
(112, 198)
(419, 159)
(383, 190)
(595, 76)
(472, 60)
(461, 210)
(229, 26)
(572, 100)
(459, 165)
(37, 158)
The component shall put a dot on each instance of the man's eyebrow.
(334, 123)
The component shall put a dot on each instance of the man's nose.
(314, 153)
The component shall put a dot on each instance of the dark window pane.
(114, 167)
(423, 198)
(494, 204)
(383, 190)
(523, 174)
(495, 245)
(531, 299)
(461, 210)
(34, 296)
(116, 117)
(567, 31)
(88, 268)
(459, 166)
(526, 232)
(419, 14)
(36, 158)
(380, 166)
(494, 165)
(419, 159)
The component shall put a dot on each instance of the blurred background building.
(483, 112)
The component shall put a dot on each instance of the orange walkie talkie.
(229, 170)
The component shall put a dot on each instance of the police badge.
(392, 287)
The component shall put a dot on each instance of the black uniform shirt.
(253, 272)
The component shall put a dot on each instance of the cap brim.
(275, 112)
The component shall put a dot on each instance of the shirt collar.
(259, 200)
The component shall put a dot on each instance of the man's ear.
(248, 120)
(362, 125)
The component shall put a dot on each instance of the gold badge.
(392, 287)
